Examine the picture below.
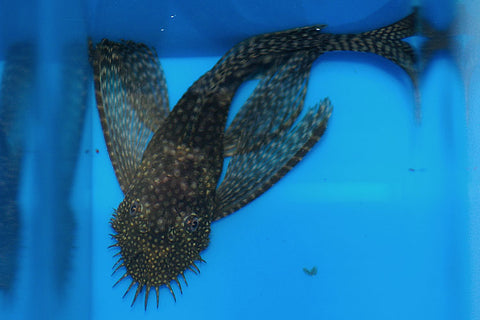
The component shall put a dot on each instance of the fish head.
(161, 236)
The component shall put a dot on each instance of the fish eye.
(135, 207)
(171, 235)
(191, 222)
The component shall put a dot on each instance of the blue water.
(383, 206)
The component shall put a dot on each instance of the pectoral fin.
(131, 99)
(269, 143)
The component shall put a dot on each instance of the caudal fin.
(389, 43)
(399, 30)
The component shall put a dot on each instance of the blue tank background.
(384, 207)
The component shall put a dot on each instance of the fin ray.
(131, 99)
(264, 156)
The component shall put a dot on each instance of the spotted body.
(169, 164)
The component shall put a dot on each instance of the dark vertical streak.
(15, 103)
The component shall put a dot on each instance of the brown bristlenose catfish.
(169, 163)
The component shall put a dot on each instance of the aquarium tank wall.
(379, 220)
